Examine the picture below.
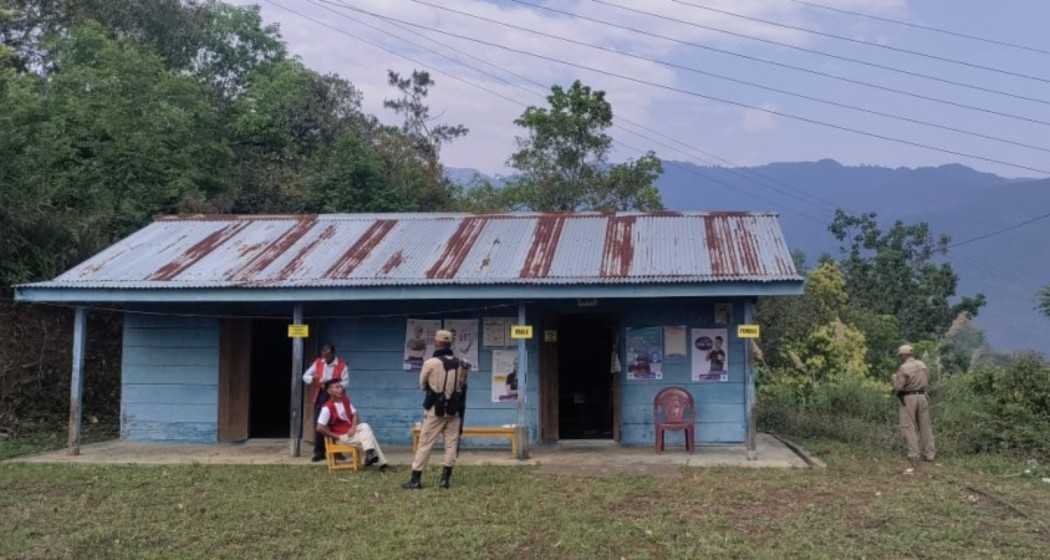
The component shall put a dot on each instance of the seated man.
(338, 420)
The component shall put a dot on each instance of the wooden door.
(549, 380)
(617, 384)
(311, 350)
(235, 352)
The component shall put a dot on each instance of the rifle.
(462, 407)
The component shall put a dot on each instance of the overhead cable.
(857, 41)
(922, 27)
(818, 52)
(700, 95)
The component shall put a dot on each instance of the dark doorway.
(585, 403)
(270, 379)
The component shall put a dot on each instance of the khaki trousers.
(433, 426)
(916, 427)
(365, 439)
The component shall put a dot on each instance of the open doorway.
(270, 387)
(585, 384)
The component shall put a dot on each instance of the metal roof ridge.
(350, 216)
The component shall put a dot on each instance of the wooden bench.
(333, 448)
(510, 432)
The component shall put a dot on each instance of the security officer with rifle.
(443, 379)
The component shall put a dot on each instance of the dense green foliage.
(563, 161)
(117, 110)
(828, 354)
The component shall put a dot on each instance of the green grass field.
(860, 507)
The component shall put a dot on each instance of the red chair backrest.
(674, 405)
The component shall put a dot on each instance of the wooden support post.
(295, 423)
(749, 388)
(523, 390)
(76, 382)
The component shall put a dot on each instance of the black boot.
(371, 458)
(446, 474)
(415, 483)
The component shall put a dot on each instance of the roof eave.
(67, 295)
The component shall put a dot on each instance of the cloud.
(753, 121)
(489, 116)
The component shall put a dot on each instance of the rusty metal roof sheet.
(441, 249)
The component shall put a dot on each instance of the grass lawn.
(860, 507)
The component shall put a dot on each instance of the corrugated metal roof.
(441, 249)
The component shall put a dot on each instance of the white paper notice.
(419, 341)
(675, 343)
(504, 376)
(496, 331)
(464, 339)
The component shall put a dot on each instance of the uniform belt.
(919, 392)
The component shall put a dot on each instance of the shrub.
(1000, 408)
(848, 409)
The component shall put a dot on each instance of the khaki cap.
(905, 350)
(443, 336)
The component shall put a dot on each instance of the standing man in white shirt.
(338, 420)
(325, 368)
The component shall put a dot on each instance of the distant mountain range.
(1008, 268)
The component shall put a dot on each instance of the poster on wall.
(676, 345)
(464, 339)
(723, 311)
(504, 376)
(645, 353)
(496, 331)
(419, 341)
(710, 359)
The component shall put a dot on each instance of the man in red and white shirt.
(338, 420)
(325, 368)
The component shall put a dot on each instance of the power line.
(779, 64)
(922, 27)
(717, 99)
(748, 83)
(1000, 231)
(828, 55)
(690, 170)
(863, 42)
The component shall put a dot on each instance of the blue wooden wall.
(388, 397)
(169, 381)
(721, 406)
(171, 370)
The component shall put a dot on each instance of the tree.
(893, 272)
(563, 161)
(418, 124)
(108, 139)
(1044, 300)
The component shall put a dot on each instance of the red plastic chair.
(674, 410)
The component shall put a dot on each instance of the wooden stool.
(332, 448)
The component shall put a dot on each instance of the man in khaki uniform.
(910, 384)
(443, 379)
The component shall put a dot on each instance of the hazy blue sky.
(740, 135)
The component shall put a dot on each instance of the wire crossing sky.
(751, 68)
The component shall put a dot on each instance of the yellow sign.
(298, 331)
(518, 332)
(747, 331)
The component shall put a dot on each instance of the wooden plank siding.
(721, 409)
(169, 381)
(388, 397)
(171, 371)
